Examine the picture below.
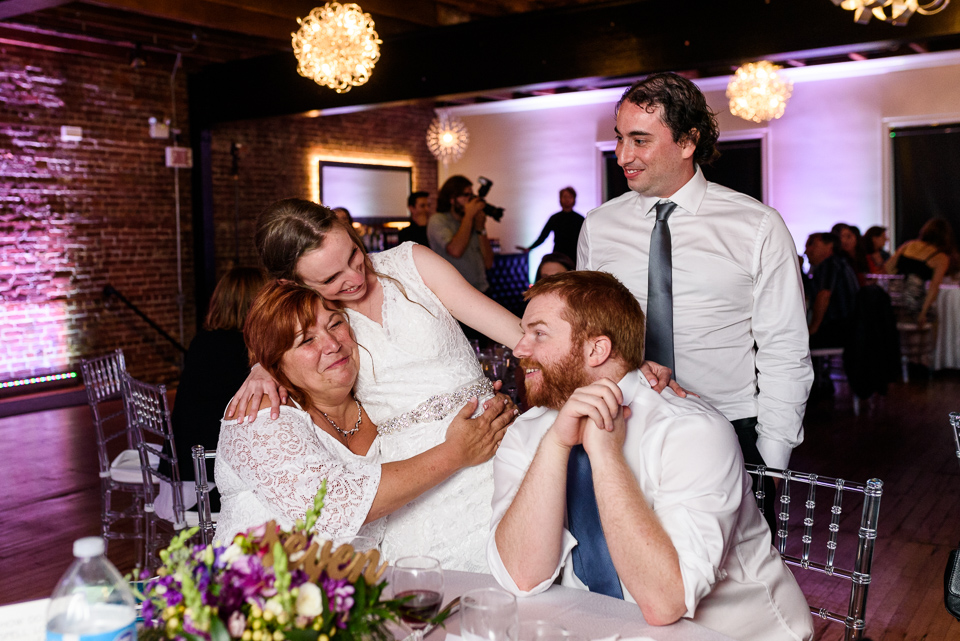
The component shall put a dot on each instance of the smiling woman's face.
(336, 269)
(324, 357)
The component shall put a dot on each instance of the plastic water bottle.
(92, 602)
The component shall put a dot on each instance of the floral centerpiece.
(268, 585)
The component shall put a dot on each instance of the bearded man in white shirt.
(680, 533)
(739, 326)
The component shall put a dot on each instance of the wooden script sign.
(343, 563)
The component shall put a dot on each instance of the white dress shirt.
(687, 462)
(739, 324)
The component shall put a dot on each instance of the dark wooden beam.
(265, 18)
(623, 40)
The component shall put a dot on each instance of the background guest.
(923, 263)
(458, 231)
(343, 214)
(418, 204)
(564, 225)
(554, 264)
(873, 243)
(834, 292)
(849, 247)
(215, 366)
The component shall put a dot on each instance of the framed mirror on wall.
(368, 192)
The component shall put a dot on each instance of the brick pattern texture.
(76, 216)
(278, 159)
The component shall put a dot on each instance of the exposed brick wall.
(277, 161)
(75, 216)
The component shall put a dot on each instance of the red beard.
(557, 381)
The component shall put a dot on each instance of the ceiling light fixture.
(447, 137)
(336, 46)
(896, 12)
(758, 93)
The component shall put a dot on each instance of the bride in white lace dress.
(271, 469)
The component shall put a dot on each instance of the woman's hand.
(659, 378)
(475, 440)
(247, 401)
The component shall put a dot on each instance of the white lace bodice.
(419, 350)
(417, 353)
(271, 469)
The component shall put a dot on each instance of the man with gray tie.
(715, 271)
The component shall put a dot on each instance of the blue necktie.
(660, 291)
(591, 558)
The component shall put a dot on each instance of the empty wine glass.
(489, 614)
(419, 579)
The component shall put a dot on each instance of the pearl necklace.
(356, 427)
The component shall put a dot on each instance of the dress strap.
(438, 407)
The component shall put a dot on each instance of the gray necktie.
(660, 290)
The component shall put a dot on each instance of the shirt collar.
(631, 383)
(688, 197)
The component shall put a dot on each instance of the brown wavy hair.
(597, 304)
(271, 328)
(289, 228)
(684, 110)
(232, 298)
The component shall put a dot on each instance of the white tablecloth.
(946, 353)
(593, 616)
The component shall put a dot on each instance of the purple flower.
(246, 580)
(148, 612)
(339, 593)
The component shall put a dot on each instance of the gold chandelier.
(896, 12)
(447, 137)
(336, 46)
(758, 93)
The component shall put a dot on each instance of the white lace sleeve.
(282, 463)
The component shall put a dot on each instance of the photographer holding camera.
(458, 231)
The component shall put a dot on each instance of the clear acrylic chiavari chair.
(149, 413)
(119, 459)
(206, 519)
(801, 553)
(955, 428)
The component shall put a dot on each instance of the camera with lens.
(492, 212)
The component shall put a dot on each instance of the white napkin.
(24, 621)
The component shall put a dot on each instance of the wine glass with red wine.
(419, 580)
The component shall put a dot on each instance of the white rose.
(309, 601)
(228, 556)
(273, 606)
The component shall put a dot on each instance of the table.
(946, 353)
(593, 616)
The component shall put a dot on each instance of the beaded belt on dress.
(437, 407)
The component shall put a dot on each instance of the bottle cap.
(88, 547)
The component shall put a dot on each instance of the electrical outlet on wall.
(160, 130)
